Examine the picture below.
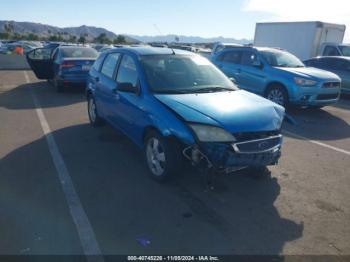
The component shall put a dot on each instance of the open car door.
(41, 62)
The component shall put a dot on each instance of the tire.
(257, 171)
(162, 156)
(59, 87)
(315, 107)
(278, 94)
(95, 119)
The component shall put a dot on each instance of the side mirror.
(258, 64)
(233, 80)
(128, 87)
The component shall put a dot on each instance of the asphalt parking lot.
(301, 208)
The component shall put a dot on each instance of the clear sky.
(207, 18)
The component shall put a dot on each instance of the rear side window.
(127, 72)
(233, 57)
(109, 64)
(98, 63)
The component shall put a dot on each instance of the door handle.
(115, 93)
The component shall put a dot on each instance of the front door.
(252, 76)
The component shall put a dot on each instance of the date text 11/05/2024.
(173, 258)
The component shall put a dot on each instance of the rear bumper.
(73, 79)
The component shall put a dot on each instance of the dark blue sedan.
(176, 105)
(64, 66)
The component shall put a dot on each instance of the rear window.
(79, 52)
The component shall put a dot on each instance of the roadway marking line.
(86, 234)
(318, 143)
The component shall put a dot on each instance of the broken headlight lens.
(212, 133)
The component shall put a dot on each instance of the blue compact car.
(278, 76)
(63, 65)
(176, 105)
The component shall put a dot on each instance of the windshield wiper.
(171, 91)
(212, 89)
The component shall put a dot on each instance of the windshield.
(345, 50)
(79, 52)
(183, 74)
(281, 59)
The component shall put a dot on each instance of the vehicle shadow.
(317, 124)
(20, 97)
(124, 204)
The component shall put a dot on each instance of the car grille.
(327, 96)
(331, 85)
(258, 145)
(241, 137)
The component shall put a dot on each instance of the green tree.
(4, 36)
(82, 39)
(32, 37)
(102, 39)
(72, 39)
(119, 40)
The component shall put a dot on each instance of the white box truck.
(303, 39)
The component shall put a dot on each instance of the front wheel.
(163, 156)
(94, 118)
(278, 95)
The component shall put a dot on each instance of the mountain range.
(91, 32)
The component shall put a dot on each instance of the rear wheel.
(58, 85)
(94, 118)
(163, 156)
(277, 94)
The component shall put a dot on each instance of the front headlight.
(212, 133)
(304, 82)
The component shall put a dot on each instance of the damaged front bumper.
(237, 155)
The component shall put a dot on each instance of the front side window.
(109, 64)
(127, 72)
(277, 58)
(248, 58)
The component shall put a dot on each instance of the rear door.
(105, 92)
(229, 63)
(41, 62)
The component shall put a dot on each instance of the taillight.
(67, 65)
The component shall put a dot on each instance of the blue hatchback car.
(176, 105)
(278, 76)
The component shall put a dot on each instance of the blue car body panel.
(237, 111)
(257, 80)
(171, 114)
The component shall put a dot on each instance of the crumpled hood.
(237, 111)
(310, 72)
